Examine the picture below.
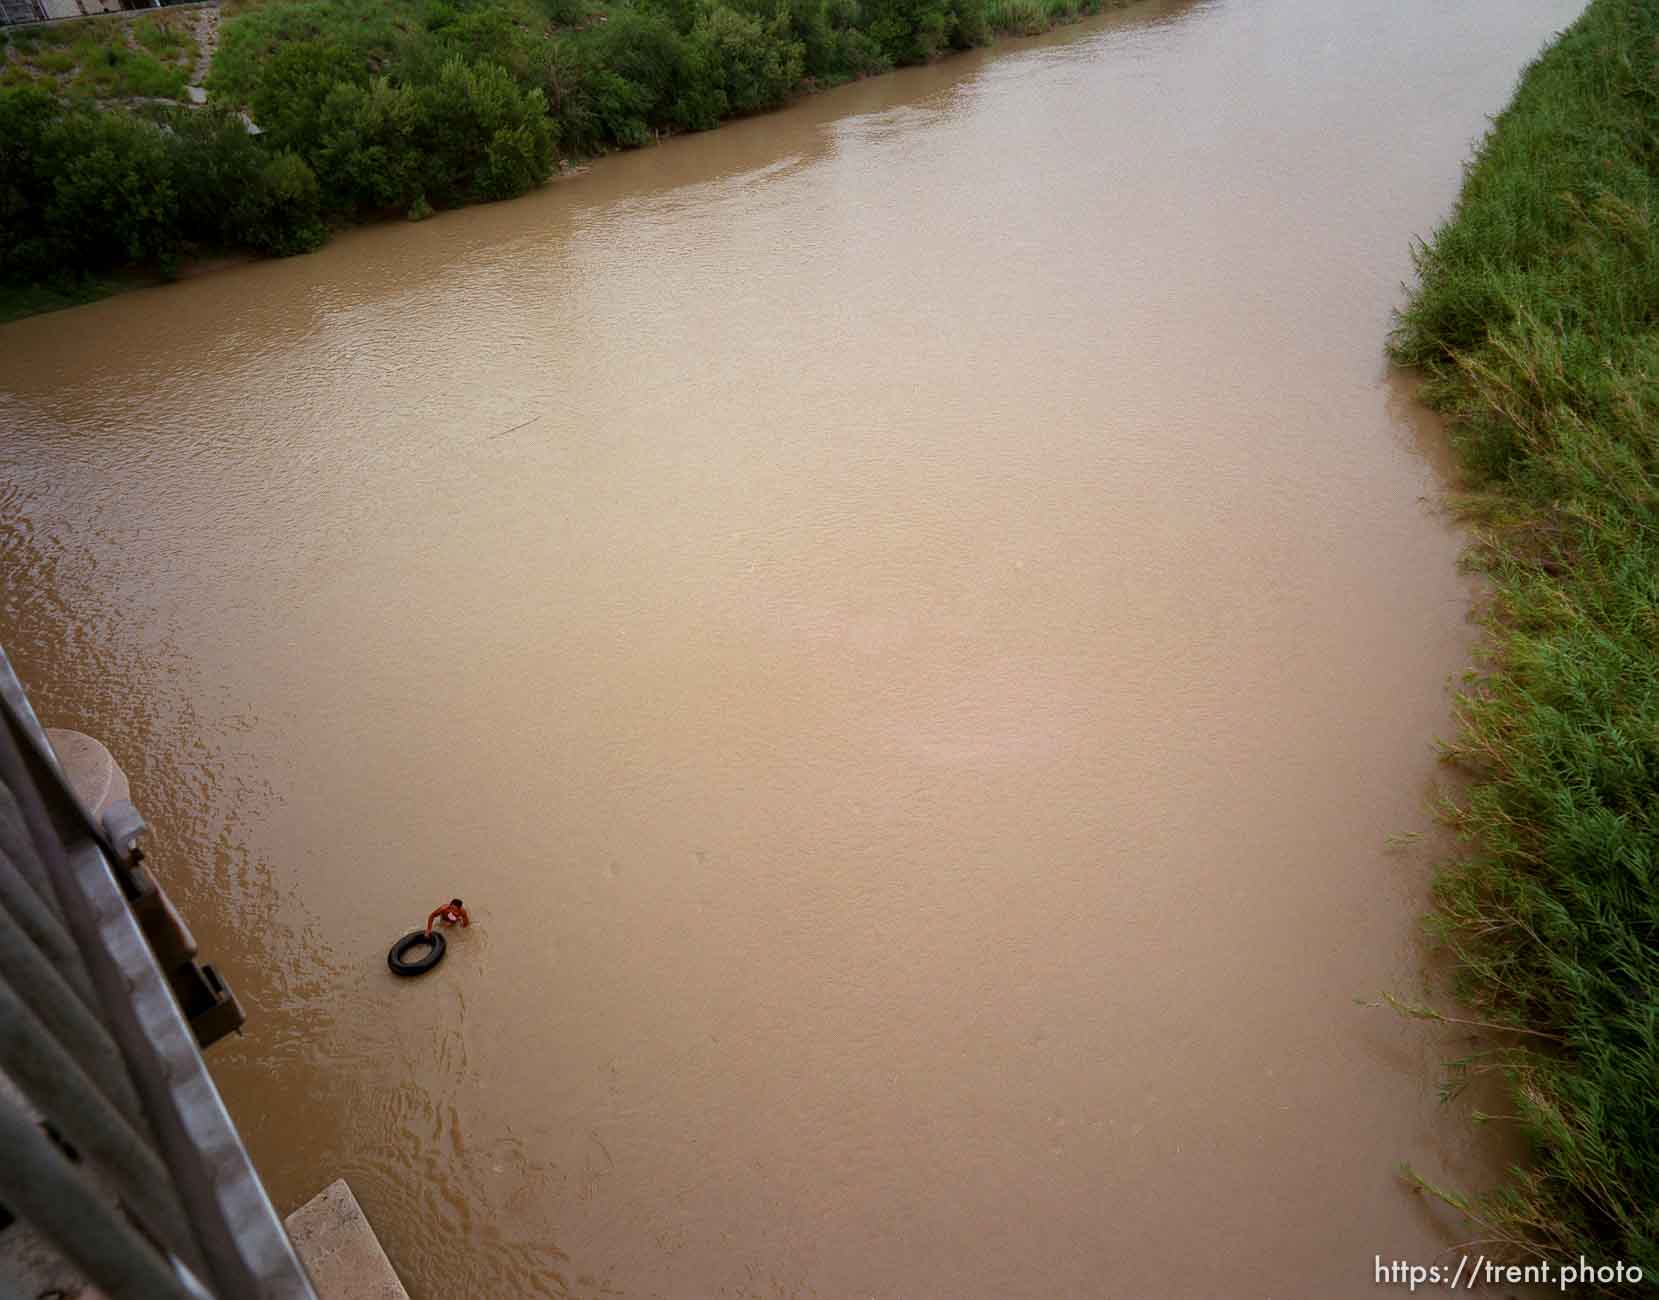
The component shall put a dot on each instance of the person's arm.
(436, 913)
(465, 919)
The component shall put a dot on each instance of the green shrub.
(370, 154)
(805, 22)
(680, 15)
(517, 160)
(113, 197)
(288, 98)
(281, 214)
(86, 190)
(565, 13)
(29, 115)
(644, 51)
(493, 36)
(560, 74)
(748, 65)
(970, 23)
(618, 110)
(854, 52)
(215, 161)
(478, 129)
(909, 31)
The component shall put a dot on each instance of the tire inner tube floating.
(398, 958)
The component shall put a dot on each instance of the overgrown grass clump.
(102, 59)
(1537, 326)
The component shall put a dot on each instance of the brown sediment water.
(908, 621)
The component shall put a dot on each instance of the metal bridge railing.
(114, 1143)
(13, 12)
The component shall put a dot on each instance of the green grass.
(1536, 325)
(1029, 17)
(371, 29)
(108, 69)
(104, 58)
(165, 38)
(55, 61)
(33, 38)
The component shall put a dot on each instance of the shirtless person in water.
(451, 913)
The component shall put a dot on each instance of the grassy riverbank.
(119, 57)
(376, 108)
(1537, 325)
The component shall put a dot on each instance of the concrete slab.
(339, 1248)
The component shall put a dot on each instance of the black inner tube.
(414, 939)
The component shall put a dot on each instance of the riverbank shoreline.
(1532, 327)
(1012, 20)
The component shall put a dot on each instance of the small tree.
(753, 65)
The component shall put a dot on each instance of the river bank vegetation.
(1537, 326)
(149, 56)
(370, 108)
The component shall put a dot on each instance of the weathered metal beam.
(44, 928)
(33, 978)
(17, 844)
(60, 1091)
(40, 1186)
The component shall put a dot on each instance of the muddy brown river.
(909, 621)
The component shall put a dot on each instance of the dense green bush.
(280, 212)
(909, 31)
(86, 191)
(293, 86)
(109, 189)
(234, 191)
(610, 73)
(369, 155)
(639, 59)
(746, 65)
(479, 134)
(28, 118)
